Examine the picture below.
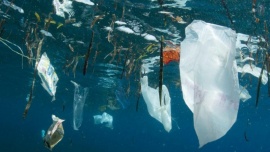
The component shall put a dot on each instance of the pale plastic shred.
(105, 118)
(148, 64)
(120, 23)
(149, 37)
(87, 2)
(209, 79)
(165, 12)
(125, 29)
(107, 28)
(244, 95)
(162, 112)
(13, 6)
(46, 33)
(255, 71)
(61, 8)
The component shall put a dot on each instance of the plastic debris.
(65, 6)
(80, 94)
(46, 33)
(125, 29)
(149, 37)
(209, 78)
(104, 118)
(171, 54)
(43, 133)
(120, 23)
(87, 2)
(255, 71)
(13, 6)
(47, 75)
(244, 95)
(55, 133)
(162, 112)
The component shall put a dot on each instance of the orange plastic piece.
(171, 54)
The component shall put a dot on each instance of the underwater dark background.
(132, 130)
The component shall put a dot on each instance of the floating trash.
(55, 133)
(162, 112)
(47, 75)
(80, 94)
(104, 119)
(209, 78)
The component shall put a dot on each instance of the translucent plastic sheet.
(244, 95)
(80, 94)
(209, 78)
(104, 119)
(161, 113)
(47, 75)
(55, 133)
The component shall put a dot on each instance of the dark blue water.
(132, 130)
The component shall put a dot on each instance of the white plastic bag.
(161, 113)
(209, 78)
(104, 118)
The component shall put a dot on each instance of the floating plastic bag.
(209, 78)
(47, 75)
(55, 133)
(104, 118)
(151, 97)
(80, 94)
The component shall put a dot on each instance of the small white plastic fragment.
(46, 33)
(162, 112)
(107, 28)
(104, 118)
(47, 75)
(244, 95)
(125, 29)
(149, 37)
(120, 23)
(13, 6)
(61, 8)
(255, 71)
(165, 12)
(87, 2)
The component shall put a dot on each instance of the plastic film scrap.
(162, 112)
(80, 95)
(104, 119)
(47, 75)
(55, 133)
(209, 78)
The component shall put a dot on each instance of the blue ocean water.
(132, 130)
